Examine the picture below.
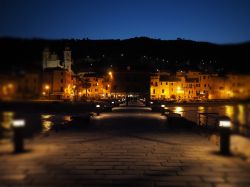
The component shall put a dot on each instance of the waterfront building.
(57, 83)
(8, 87)
(57, 78)
(28, 85)
(92, 85)
(194, 85)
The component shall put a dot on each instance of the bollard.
(98, 109)
(225, 131)
(162, 109)
(18, 137)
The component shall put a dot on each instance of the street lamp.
(111, 74)
(225, 131)
(47, 88)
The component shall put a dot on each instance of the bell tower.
(67, 59)
(46, 55)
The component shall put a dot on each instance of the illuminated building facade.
(91, 85)
(29, 85)
(8, 87)
(193, 85)
(57, 84)
(57, 78)
(232, 86)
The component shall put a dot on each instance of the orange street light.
(111, 74)
(47, 87)
(10, 85)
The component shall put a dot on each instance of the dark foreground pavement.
(122, 149)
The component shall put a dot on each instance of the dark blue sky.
(219, 21)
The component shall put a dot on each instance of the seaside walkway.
(122, 149)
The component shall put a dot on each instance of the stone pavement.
(132, 149)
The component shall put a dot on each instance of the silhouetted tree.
(86, 85)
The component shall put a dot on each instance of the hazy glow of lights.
(47, 87)
(241, 114)
(179, 90)
(178, 110)
(98, 106)
(201, 109)
(229, 111)
(67, 118)
(7, 120)
(10, 85)
(46, 116)
(110, 74)
(46, 123)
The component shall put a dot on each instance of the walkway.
(122, 149)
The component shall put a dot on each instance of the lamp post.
(18, 138)
(225, 131)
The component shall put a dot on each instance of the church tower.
(67, 59)
(46, 55)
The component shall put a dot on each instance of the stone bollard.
(18, 136)
(225, 132)
(98, 108)
(162, 109)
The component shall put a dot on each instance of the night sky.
(220, 21)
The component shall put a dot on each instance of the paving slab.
(122, 150)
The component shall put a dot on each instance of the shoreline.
(55, 106)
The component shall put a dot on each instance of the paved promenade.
(122, 149)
